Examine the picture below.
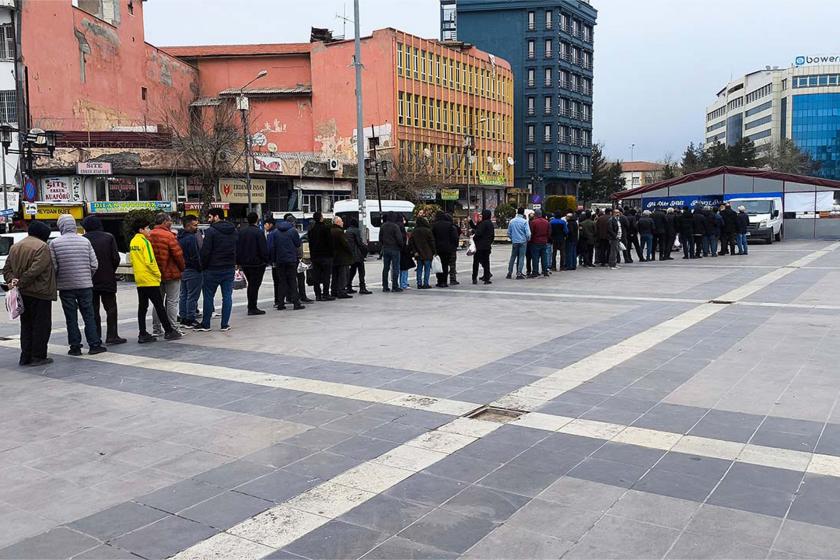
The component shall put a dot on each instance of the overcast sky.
(658, 63)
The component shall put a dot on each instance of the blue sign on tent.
(687, 201)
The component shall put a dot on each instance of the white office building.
(801, 103)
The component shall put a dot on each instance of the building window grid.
(759, 93)
(548, 77)
(8, 106)
(549, 19)
(758, 122)
(7, 42)
(532, 49)
(758, 109)
(715, 126)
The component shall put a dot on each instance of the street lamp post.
(243, 106)
(36, 142)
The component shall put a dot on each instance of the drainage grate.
(495, 414)
(722, 301)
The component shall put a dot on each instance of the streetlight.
(36, 142)
(469, 141)
(242, 103)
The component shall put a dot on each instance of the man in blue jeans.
(191, 278)
(741, 233)
(218, 261)
(75, 263)
(519, 233)
(391, 243)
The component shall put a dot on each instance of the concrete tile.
(608, 472)
(192, 463)
(322, 466)
(117, 520)
(317, 439)
(807, 539)
(519, 480)
(463, 468)
(818, 502)
(278, 486)
(180, 496)
(582, 494)
(233, 474)
(226, 510)
(514, 542)
(396, 432)
(730, 426)
(693, 545)
(363, 448)
(554, 520)
(756, 499)
(335, 541)
(278, 455)
(386, 514)
(105, 552)
(675, 484)
(631, 538)
(630, 454)
(403, 549)
(485, 503)
(751, 528)
(57, 543)
(766, 477)
(448, 531)
(655, 509)
(164, 538)
(426, 489)
(16, 525)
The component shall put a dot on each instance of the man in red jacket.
(170, 261)
(540, 234)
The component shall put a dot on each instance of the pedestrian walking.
(283, 253)
(29, 267)
(483, 238)
(519, 233)
(104, 279)
(342, 259)
(647, 230)
(192, 278)
(743, 226)
(75, 263)
(446, 243)
(170, 262)
(252, 258)
(360, 251)
(540, 236)
(322, 252)
(148, 277)
(218, 261)
(422, 245)
(572, 241)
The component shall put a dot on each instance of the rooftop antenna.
(344, 19)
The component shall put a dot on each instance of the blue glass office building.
(549, 44)
(816, 130)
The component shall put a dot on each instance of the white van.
(349, 209)
(9, 239)
(766, 216)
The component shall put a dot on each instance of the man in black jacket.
(625, 236)
(391, 243)
(342, 259)
(446, 243)
(483, 238)
(321, 250)
(251, 257)
(360, 251)
(730, 230)
(301, 276)
(659, 241)
(218, 261)
(283, 253)
(670, 235)
(191, 277)
(633, 231)
(104, 279)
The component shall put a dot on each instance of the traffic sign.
(7, 213)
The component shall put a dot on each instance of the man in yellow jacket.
(147, 278)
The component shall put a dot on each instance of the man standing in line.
(322, 252)
(559, 231)
(660, 241)
(587, 238)
(743, 225)
(105, 279)
(633, 232)
(615, 234)
(647, 230)
(391, 243)
(75, 263)
(301, 276)
(170, 261)
(519, 232)
(602, 228)
(342, 259)
(453, 256)
(625, 236)
(218, 261)
(191, 278)
(252, 256)
(284, 247)
(30, 268)
(483, 238)
(147, 278)
(669, 237)
(357, 245)
(730, 229)
(540, 235)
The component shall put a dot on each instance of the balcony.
(564, 139)
(564, 84)
(548, 53)
(532, 83)
(548, 110)
(531, 112)
(531, 139)
(532, 55)
(532, 26)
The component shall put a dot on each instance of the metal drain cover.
(495, 414)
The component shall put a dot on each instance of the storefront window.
(149, 189)
(101, 189)
(122, 188)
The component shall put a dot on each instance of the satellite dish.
(497, 167)
(489, 159)
(511, 161)
(427, 152)
(272, 147)
(259, 139)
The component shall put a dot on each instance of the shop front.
(50, 212)
(112, 214)
(319, 195)
(234, 193)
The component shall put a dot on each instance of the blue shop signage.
(685, 201)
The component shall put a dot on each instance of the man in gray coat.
(75, 263)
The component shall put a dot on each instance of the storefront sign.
(56, 189)
(499, 180)
(197, 205)
(268, 164)
(93, 168)
(687, 201)
(46, 211)
(123, 207)
(449, 194)
(818, 59)
(235, 191)
(427, 194)
(13, 199)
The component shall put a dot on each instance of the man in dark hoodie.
(483, 238)
(218, 261)
(251, 257)
(342, 259)
(283, 253)
(191, 278)
(391, 242)
(446, 243)
(322, 252)
(105, 277)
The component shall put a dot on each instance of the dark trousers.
(481, 257)
(453, 268)
(322, 273)
(35, 328)
(391, 266)
(588, 251)
(254, 276)
(634, 241)
(191, 283)
(445, 260)
(285, 284)
(301, 282)
(558, 246)
(628, 258)
(108, 300)
(603, 251)
(357, 267)
(668, 242)
(687, 246)
(571, 255)
(144, 296)
(73, 302)
(698, 246)
(340, 274)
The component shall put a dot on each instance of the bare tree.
(414, 173)
(786, 157)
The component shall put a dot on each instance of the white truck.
(766, 216)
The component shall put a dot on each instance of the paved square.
(654, 424)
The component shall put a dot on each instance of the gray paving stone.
(426, 489)
(555, 520)
(165, 537)
(226, 510)
(57, 543)
(336, 541)
(782, 480)
(693, 545)
(675, 484)
(363, 448)
(180, 495)
(282, 554)
(322, 466)
(818, 502)
(730, 426)
(317, 439)
(398, 548)
(540, 459)
(582, 494)
(750, 528)
(396, 432)
(508, 542)
(829, 443)
(462, 467)
(277, 455)
(278, 486)
(756, 499)
(631, 539)
(386, 514)
(105, 552)
(671, 418)
(569, 444)
(810, 540)
(448, 531)
(608, 472)
(519, 480)
(358, 423)
(233, 474)
(707, 468)
(630, 454)
(117, 520)
(485, 503)
(655, 509)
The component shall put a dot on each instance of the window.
(546, 160)
(587, 60)
(401, 108)
(7, 42)
(416, 63)
(437, 69)
(735, 103)
(422, 65)
(562, 106)
(532, 161)
(131, 7)
(8, 106)
(143, 93)
(122, 188)
(758, 122)
(549, 19)
(547, 104)
(547, 133)
(759, 93)
(715, 126)
(149, 189)
(438, 117)
(564, 22)
(575, 27)
(564, 161)
(531, 109)
(532, 48)
(758, 109)
(548, 77)
(716, 114)
(549, 48)
(532, 21)
(759, 135)
(586, 112)
(531, 138)
(416, 110)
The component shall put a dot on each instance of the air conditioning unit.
(332, 165)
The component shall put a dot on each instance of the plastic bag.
(14, 303)
(239, 280)
(471, 251)
(437, 267)
(303, 266)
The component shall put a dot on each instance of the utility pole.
(360, 127)
(247, 138)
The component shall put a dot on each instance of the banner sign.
(499, 180)
(236, 191)
(449, 194)
(93, 168)
(267, 164)
(42, 211)
(197, 205)
(56, 189)
(13, 199)
(126, 206)
(687, 201)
